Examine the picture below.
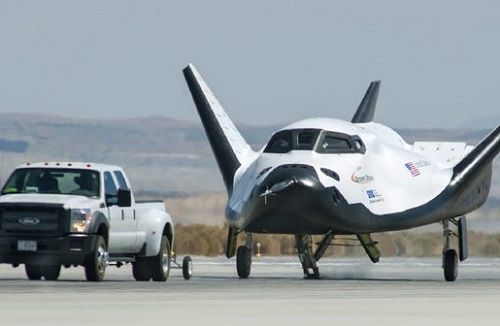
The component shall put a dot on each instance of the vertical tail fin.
(366, 109)
(229, 147)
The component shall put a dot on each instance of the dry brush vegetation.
(210, 240)
(200, 230)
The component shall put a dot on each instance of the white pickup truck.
(82, 214)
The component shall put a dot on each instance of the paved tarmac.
(396, 291)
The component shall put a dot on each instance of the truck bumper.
(66, 250)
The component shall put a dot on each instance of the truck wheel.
(33, 272)
(96, 262)
(50, 272)
(160, 264)
(140, 269)
(187, 267)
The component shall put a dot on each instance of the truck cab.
(55, 214)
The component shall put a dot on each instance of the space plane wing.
(229, 147)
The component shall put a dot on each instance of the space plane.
(333, 178)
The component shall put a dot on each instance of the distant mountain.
(489, 122)
(162, 155)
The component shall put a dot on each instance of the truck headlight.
(80, 220)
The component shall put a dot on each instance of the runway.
(402, 291)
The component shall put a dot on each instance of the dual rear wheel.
(156, 268)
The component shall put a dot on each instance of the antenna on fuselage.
(366, 109)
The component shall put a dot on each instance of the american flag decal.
(413, 169)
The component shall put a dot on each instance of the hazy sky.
(269, 62)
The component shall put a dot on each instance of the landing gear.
(308, 261)
(244, 257)
(450, 265)
(450, 256)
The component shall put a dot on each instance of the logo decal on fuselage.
(374, 196)
(413, 167)
(360, 177)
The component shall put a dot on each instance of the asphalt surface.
(396, 291)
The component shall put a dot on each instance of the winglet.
(477, 160)
(229, 147)
(366, 109)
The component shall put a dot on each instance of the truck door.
(122, 235)
(129, 215)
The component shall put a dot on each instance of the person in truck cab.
(87, 183)
(47, 183)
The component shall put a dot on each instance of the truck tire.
(50, 272)
(96, 262)
(33, 272)
(140, 269)
(159, 265)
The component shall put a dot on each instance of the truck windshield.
(53, 181)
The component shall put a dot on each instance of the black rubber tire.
(140, 269)
(243, 261)
(33, 272)
(450, 265)
(159, 272)
(187, 267)
(50, 272)
(95, 263)
(312, 276)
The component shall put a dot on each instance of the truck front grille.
(32, 220)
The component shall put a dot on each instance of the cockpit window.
(332, 144)
(307, 139)
(336, 143)
(298, 139)
(280, 143)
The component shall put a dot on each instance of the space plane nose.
(288, 176)
(290, 200)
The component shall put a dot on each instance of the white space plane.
(331, 177)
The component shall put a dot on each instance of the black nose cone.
(290, 177)
(289, 200)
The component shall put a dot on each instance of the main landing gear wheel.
(160, 264)
(243, 261)
(450, 256)
(50, 272)
(187, 267)
(450, 265)
(96, 262)
(33, 272)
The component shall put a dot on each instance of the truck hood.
(69, 201)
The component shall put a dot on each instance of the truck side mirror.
(124, 198)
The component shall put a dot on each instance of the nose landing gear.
(244, 257)
(304, 247)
